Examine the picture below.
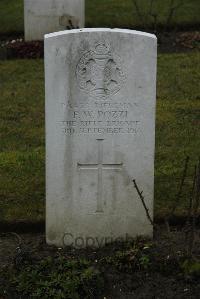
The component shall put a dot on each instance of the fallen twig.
(143, 202)
(179, 193)
(196, 202)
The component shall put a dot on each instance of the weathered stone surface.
(46, 16)
(100, 134)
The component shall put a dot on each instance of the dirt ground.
(161, 280)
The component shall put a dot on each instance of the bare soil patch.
(160, 277)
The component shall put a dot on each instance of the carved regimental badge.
(99, 71)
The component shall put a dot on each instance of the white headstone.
(100, 134)
(46, 16)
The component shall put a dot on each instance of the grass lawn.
(107, 13)
(11, 16)
(22, 184)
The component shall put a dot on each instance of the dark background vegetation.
(113, 13)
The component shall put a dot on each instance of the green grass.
(107, 13)
(11, 17)
(22, 140)
(22, 186)
(178, 126)
(122, 13)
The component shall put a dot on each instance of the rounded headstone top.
(90, 30)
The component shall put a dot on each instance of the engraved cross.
(100, 166)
